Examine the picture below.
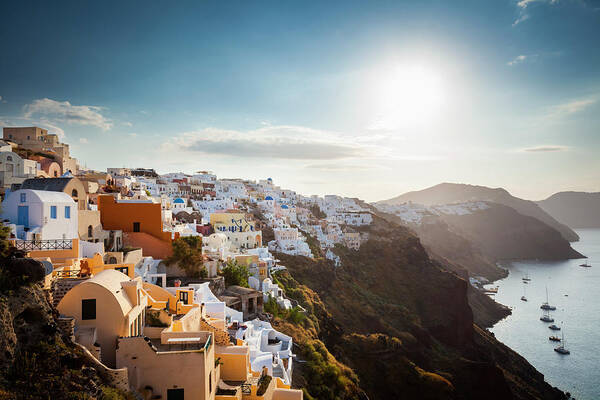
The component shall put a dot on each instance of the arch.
(90, 231)
(112, 260)
(74, 193)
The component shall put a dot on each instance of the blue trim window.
(67, 212)
(23, 197)
(53, 212)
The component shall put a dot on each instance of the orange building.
(141, 223)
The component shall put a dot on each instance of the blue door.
(23, 216)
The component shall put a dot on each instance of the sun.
(407, 95)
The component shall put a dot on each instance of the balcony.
(43, 245)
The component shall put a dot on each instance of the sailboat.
(562, 349)
(546, 305)
(585, 265)
(546, 317)
(554, 327)
(523, 298)
(526, 278)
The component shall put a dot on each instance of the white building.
(268, 348)
(41, 215)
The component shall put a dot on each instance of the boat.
(545, 305)
(546, 317)
(554, 327)
(554, 338)
(526, 278)
(562, 349)
(585, 265)
(523, 298)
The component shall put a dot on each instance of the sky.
(363, 99)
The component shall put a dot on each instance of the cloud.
(545, 149)
(572, 106)
(83, 140)
(275, 142)
(523, 5)
(517, 60)
(133, 135)
(126, 123)
(342, 167)
(64, 111)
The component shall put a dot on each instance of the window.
(28, 137)
(175, 394)
(9, 158)
(136, 226)
(90, 231)
(183, 297)
(67, 212)
(88, 309)
(23, 197)
(74, 193)
(124, 270)
(53, 212)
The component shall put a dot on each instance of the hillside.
(404, 325)
(578, 210)
(447, 193)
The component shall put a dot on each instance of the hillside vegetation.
(402, 324)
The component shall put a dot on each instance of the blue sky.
(367, 99)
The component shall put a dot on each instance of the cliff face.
(446, 193)
(37, 361)
(502, 234)
(575, 209)
(403, 324)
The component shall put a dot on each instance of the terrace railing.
(35, 245)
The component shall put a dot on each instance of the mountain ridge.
(578, 210)
(448, 193)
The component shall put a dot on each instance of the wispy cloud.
(83, 140)
(523, 6)
(545, 149)
(572, 106)
(521, 59)
(343, 167)
(64, 111)
(275, 142)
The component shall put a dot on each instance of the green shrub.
(187, 253)
(235, 274)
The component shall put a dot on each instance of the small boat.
(523, 298)
(554, 338)
(546, 317)
(562, 349)
(545, 305)
(526, 278)
(585, 265)
(554, 327)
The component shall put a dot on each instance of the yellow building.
(231, 222)
(112, 304)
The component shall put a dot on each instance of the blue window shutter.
(67, 212)
(53, 212)
(23, 197)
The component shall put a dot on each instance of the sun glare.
(407, 95)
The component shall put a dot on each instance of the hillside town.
(140, 264)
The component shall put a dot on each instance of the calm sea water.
(575, 291)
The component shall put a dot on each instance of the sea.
(575, 291)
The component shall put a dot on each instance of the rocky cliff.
(403, 324)
(578, 210)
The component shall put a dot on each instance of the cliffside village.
(104, 238)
